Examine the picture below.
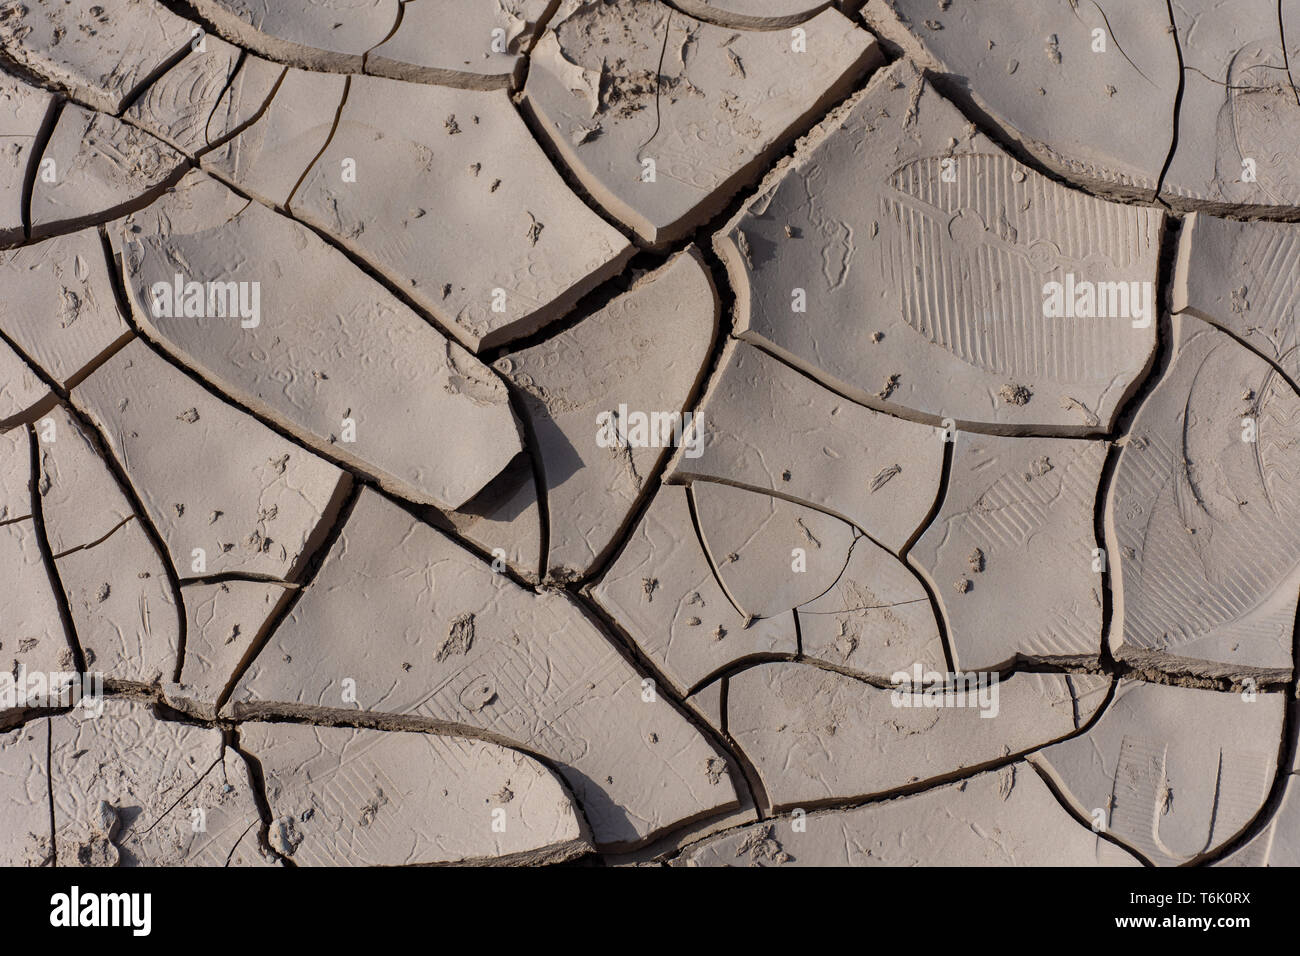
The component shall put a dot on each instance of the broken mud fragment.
(1175, 771)
(768, 428)
(206, 98)
(343, 796)
(804, 728)
(688, 112)
(538, 674)
(506, 281)
(273, 496)
(101, 53)
(1200, 516)
(281, 321)
(1087, 92)
(605, 400)
(973, 823)
(675, 630)
(24, 112)
(993, 284)
(59, 305)
(1031, 544)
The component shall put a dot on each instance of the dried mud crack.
(625, 432)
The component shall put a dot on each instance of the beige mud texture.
(632, 432)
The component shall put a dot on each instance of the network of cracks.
(677, 432)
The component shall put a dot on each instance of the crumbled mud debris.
(1015, 394)
(760, 845)
(1038, 468)
(714, 768)
(460, 638)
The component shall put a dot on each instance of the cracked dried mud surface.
(625, 432)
